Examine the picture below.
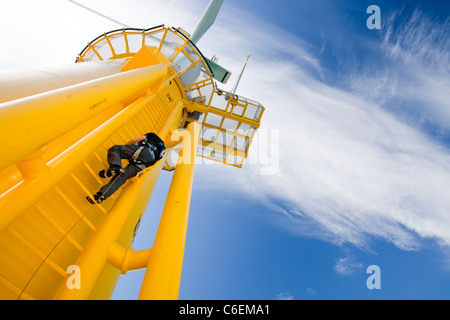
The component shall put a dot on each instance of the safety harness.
(153, 150)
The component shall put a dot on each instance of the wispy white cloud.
(284, 296)
(312, 291)
(414, 75)
(418, 39)
(347, 266)
(350, 169)
(353, 169)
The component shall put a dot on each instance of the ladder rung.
(59, 228)
(136, 134)
(11, 287)
(138, 124)
(89, 168)
(146, 117)
(100, 159)
(87, 191)
(74, 208)
(128, 132)
(143, 119)
(36, 251)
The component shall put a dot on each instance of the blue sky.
(351, 166)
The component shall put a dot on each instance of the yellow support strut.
(163, 274)
(103, 247)
(30, 123)
(33, 187)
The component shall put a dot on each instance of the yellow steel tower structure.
(56, 126)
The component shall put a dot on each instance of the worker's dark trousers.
(115, 155)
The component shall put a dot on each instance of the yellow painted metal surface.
(36, 121)
(61, 223)
(53, 243)
(229, 123)
(20, 83)
(163, 275)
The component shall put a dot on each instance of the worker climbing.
(142, 152)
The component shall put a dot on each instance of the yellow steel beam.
(163, 274)
(194, 105)
(103, 243)
(17, 200)
(128, 260)
(224, 148)
(109, 276)
(28, 124)
(97, 252)
(16, 84)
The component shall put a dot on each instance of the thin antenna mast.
(240, 75)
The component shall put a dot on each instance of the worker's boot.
(98, 197)
(110, 172)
